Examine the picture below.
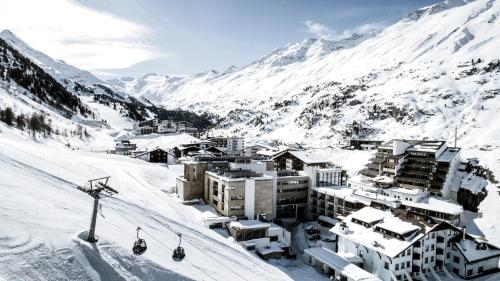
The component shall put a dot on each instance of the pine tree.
(35, 124)
(20, 121)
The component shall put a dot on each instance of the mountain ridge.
(405, 76)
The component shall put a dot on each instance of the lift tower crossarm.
(96, 186)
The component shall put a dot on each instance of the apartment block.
(404, 245)
(415, 164)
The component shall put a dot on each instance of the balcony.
(440, 239)
(416, 256)
(439, 251)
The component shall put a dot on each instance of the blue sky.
(134, 37)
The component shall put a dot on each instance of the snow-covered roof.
(152, 141)
(249, 224)
(369, 215)
(337, 191)
(427, 146)
(448, 154)
(148, 152)
(328, 220)
(472, 253)
(306, 156)
(408, 191)
(273, 248)
(368, 237)
(310, 157)
(383, 179)
(399, 227)
(361, 181)
(340, 264)
(435, 204)
(352, 258)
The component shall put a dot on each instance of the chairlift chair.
(139, 245)
(179, 253)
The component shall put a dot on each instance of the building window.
(386, 265)
(433, 235)
(408, 252)
(469, 272)
(427, 248)
(447, 255)
(455, 270)
(432, 247)
(403, 265)
(456, 259)
(480, 269)
(407, 264)
(397, 266)
(432, 258)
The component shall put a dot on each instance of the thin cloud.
(319, 30)
(87, 38)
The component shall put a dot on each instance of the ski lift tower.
(95, 188)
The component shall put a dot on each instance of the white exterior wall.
(399, 147)
(375, 263)
(259, 243)
(258, 167)
(487, 265)
(250, 198)
(284, 236)
(405, 196)
(455, 162)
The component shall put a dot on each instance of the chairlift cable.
(160, 242)
(187, 241)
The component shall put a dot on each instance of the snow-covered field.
(43, 217)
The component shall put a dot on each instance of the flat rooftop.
(437, 205)
(340, 264)
(448, 154)
(408, 191)
(249, 224)
(369, 215)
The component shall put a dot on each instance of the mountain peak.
(6, 33)
(435, 8)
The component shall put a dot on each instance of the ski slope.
(44, 217)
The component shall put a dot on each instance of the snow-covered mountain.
(434, 69)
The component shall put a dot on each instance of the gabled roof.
(305, 156)
(370, 238)
(156, 149)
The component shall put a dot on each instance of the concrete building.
(267, 239)
(153, 126)
(416, 164)
(240, 193)
(252, 150)
(230, 145)
(362, 144)
(166, 127)
(191, 184)
(125, 147)
(291, 195)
